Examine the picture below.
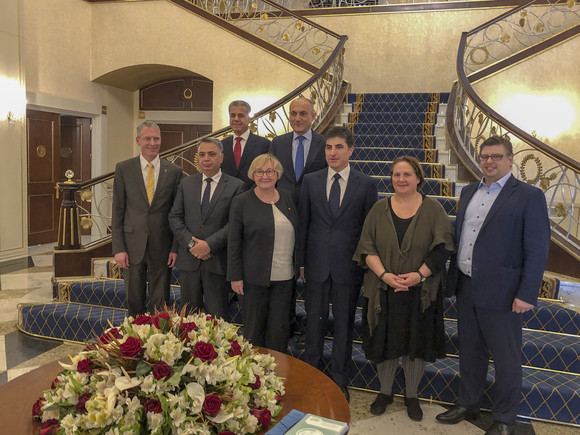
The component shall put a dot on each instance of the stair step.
(398, 97)
(393, 117)
(402, 144)
(547, 395)
(415, 128)
(385, 107)
(382, 168)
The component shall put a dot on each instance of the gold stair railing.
(292, 37)
(510, 38)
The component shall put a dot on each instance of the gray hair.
(149, 124)
(240, 103)
(217, 142)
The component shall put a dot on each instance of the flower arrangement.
(164, 374)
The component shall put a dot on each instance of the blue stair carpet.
(390, 154)
(405, 129)
(392, 117)
(432, 186)
(402, 97)
(399, 142)
(383, 168)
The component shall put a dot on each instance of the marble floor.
(29, 280)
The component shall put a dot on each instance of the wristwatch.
(423, 277)
(190, 245)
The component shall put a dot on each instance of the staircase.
(385, 126)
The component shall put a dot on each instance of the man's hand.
(302, 275)
(172, 258)
(122, 260)
(201, 249)
(238, 287)
(520, 306)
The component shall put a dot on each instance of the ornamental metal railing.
(320, 51)
(512, 37)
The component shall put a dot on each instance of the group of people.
(260, 215)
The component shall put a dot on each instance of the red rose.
(152, 405)
(85, 366)
(235, 348)
(162, 370)
(110, 335)
(204, 351)
(256, 384)
(131, 347)
(48, 426)
(156, 319)
(80, 407)
(186, 328)
(37, 409)
(226, 432)
(210, 318)
(142, 320)
(263, 415)
(53, 385)
(212, 405)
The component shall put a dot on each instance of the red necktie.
(238, 151)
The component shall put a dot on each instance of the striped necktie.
(150, 182)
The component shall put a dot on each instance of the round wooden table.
(307, 390)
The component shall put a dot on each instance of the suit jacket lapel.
(216, 194)
(138, 176)
(196, 196)
(504, 194)
(287, 156)
(351, 187)
(314, 147)
(466, 195)
(247, 155)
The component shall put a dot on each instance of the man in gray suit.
(143, 192)
(199, 220)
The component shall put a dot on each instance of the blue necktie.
(205, 199)
(299, 162)
(334, 197)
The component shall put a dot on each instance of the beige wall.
(553, 73)
(13, 236)
(404, 52)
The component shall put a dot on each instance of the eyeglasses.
(494, 157)
(268, 172)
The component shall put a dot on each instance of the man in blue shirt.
(503, 235)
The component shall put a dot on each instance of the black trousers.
(265, 310)
(152, 270)
(204, 291)
(482, 331)
(343, 298)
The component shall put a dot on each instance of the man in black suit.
(243, 146)
(199, 221)
(503, 235)
(143, 193)
(334, 203)
(300, 151)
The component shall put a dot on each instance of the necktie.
(205, 199)
(150, 182)
(238, 151)
(299, 162)
(334, 196)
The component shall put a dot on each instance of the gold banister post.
(69, 231)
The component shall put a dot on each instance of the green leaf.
(143, 368)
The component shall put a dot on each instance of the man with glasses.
(503, 235)
(199, 220)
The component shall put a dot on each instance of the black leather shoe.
(380, 404)
(457, 414)
(413, 409)
(499, 428)
(346, 393)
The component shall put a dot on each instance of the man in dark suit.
(199, 221)
(503, 235)
(334, 203)
(300, 151)
(143, 193)
(243, 146)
